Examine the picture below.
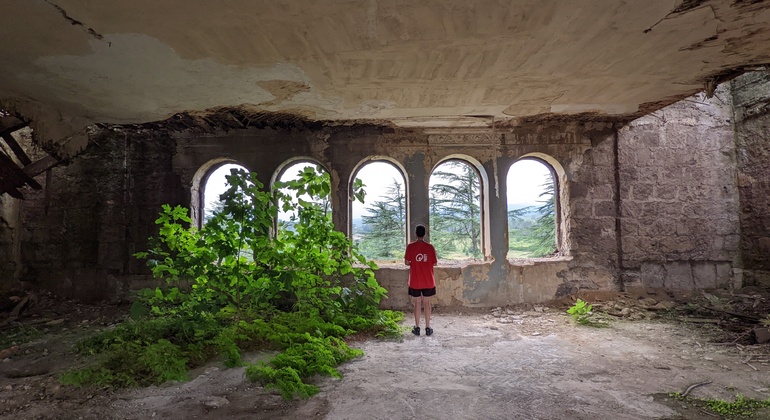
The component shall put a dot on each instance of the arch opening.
(455, 195)
(532, 208)
(379, 223)
(293, 172)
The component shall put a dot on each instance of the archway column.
(340, 200)
(496, 206)
(418, 177)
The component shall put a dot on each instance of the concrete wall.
(751, 97)
(679, 198)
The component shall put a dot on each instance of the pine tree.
(544, 229)
(385, 225)
(456, 201)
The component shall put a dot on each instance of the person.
(420, 256)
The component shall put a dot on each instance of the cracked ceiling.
(72, 63)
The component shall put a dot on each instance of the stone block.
(666, 192)
(653, 275)
(724, 274)
(631, 209)
(578, 190)
(704, 275)
(642, 192)
(761, 335)
(679, 276)
(604, 209)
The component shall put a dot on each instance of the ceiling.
(412, 63)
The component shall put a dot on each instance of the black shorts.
(422, 292)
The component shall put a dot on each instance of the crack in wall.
(76, 22)
(684, 7)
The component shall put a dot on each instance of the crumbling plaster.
(428, 63)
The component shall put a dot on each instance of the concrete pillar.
(340, 200)
(496, 212)
(418, 177)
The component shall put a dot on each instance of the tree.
(208, 212)
(532, 229)
(455, 208)
(544, 229)
(385, 225)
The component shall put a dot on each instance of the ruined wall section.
(102, 206)
(11, 226)
(592, 214)
(751, 98)
(80, 232)
(678, 196)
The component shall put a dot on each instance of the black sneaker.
(416, 330)
(428, 331)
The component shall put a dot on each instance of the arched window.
(455, 210)
(293, 172)
(532, 209)
(215, 184)
(379, 224)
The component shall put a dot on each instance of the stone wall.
(102, 206)
(751, 98)
(78, 241)
(652, 204)
(679, 200)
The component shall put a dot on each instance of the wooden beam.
(40, 166)
(5, 159)
(13, 128)
(17, 150)
(13, 192)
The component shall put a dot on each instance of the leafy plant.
(581, 313)
(234, 285)
(741, 407)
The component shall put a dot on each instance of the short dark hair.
(420, 231)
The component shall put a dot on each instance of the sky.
(525, 179)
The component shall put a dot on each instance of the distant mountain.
(516, 206)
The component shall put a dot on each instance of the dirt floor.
(525, 362)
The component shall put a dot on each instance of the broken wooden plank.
(736, 314)
(17, 150)
(15, 127)
(16, 312)
(22, 176)
(40, 166)
(13, 192)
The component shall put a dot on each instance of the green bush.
(299, 292)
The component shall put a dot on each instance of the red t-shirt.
(422, 257)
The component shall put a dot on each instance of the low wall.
(469, 284)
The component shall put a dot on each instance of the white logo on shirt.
(421, 257)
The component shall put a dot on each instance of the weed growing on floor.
(15, 335)
(741, 407)
(581, 313)
(300, 292)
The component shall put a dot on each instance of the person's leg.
(426, 301)
(417, 301)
